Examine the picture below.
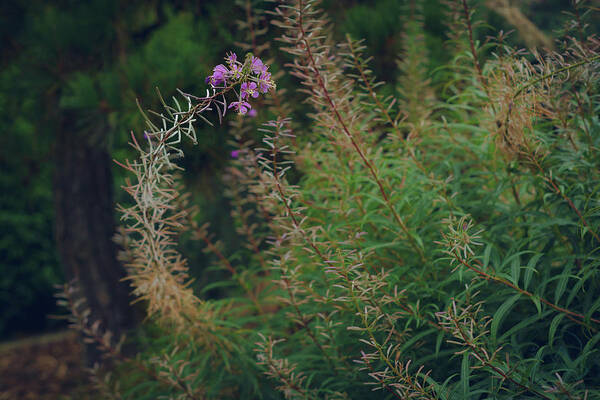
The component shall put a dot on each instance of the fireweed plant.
(438, 243)
(252, 75)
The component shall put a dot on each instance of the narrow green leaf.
(553, 326)
(500, 314)
(530, 269)
(538, 304)
(465, 371)
(562, 283)
(438, 342)
(529, 321)
(486, 256)
(515, 269)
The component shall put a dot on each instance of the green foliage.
(28, 262)
(438, 243)
(430, 240)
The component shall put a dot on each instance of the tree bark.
(85, 225)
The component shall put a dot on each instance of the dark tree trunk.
(85, 225)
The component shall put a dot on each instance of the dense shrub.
(437, 243)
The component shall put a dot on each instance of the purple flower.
(236, 71)
(248, 89)
(231, 58)
(264, 82)
(220, 73)
(258, 66)
(252, 113)
(241, 107)
(235, 153)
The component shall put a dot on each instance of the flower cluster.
(252, 75)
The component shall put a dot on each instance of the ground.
(46, 367)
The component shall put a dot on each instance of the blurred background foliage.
(92, 59)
